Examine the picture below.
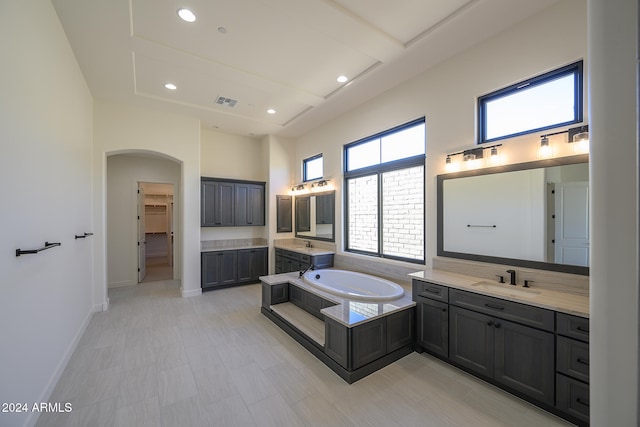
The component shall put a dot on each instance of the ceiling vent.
(226, 101)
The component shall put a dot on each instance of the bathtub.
(352, 285)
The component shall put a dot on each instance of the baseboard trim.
(32, 419)
(190, 292)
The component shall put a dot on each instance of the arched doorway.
(125, 171)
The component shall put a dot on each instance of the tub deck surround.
(346, 312)
(232, 244)
(564, 302)
(353, 338)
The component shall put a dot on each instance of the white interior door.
(572, 223)
(142, 270)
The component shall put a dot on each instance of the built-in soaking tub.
(352, 285)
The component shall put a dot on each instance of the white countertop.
(346, 312)
(305, 250)
(564, 302)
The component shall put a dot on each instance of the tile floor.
(156, 359)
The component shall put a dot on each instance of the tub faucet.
(513, 277)
(310, 267)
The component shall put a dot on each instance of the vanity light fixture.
(545, 150)
(473, 158)
(186, 15)
(579, 137)
(322, 185)
(299, 189)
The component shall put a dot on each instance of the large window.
(384, 197)
(550, 100)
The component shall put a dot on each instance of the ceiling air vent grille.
(222, 100)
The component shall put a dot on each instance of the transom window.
(550, 100)
(312, 168)
(384, 194)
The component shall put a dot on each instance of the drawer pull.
(494, 307)
(498, 325)
(582, 361)
(444, 310)
(582, 402)
(582, 329)
(490, 323)
(432, 291)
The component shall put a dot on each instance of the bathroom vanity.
(228, 263)
(353, 338)
(532, 342)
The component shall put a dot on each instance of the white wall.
(614, 288)
(446, 95)
(123, 174)
(121, 129)
(278, 151)
(45, 167)
(236, 157)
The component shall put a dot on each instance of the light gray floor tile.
(157, 359)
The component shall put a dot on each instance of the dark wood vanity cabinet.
(219, 268)
(572, 366)
(539, 354)
(252, 263)
(232, 267)
(511, 353)
(288, 261)
(229, 203)
(432, 313)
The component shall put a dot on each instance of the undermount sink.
(507, 289)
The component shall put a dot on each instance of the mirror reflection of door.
(572, 223)
(155, 232)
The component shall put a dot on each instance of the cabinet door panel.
(524, 359)
(471, 340)
(433, 326)
(368, 342)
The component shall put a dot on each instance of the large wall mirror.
(315, 216)
(533, 214)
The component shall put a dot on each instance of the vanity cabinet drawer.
(429, 290)
(305, 259)
(573, 358)
(572, 397)
(525, 314)
(573, 326)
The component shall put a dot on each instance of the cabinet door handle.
(498, 325)
(490, 323)
(582, 361)
(582, 401)
(444, 310)
(433, 291)
(494, 307)
(582, 329)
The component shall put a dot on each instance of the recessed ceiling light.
(222, 30)
(342, 79)
(170, 86)
(271, 111)
(186, 15)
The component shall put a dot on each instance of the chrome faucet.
(307, 244)
(310, 267)
(513, 277)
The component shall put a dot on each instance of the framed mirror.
(531, 214)
(315, 216)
